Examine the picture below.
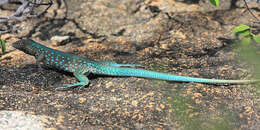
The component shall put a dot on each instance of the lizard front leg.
(39, 57)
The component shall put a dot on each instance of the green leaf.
(256, 38)
(214, 2)
(245, 33)
(3, 45)
(240, 28)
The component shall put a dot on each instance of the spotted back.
(67, 61)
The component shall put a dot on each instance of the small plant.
(214, 2)
(2, 42)
(242, 30)
(246, 34)
(246, 51)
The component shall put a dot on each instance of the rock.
(20, 121)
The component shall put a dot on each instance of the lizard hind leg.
(83, 81)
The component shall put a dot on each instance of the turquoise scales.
(81, 66)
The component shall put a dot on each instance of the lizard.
(81, 67)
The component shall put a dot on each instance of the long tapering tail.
(114, 71)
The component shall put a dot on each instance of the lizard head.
(19, 44)
(25, 45)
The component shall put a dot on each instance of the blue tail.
(115, 71)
